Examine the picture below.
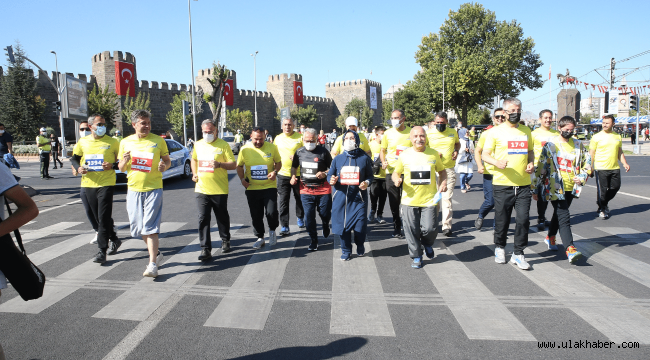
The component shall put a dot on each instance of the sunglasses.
(84, 129)
(500, 117)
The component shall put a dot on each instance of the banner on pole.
(228, 94)
(124, 79)
(373, 97)
(613, 102)
(297, 92)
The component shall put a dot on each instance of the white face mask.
(395, 123)
(310, 146)
(349, 145)
(208, 137)
(2, 132)
(84, 133)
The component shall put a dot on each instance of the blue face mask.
(101, 130)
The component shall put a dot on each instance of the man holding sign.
(510, 150)
(95, 158)
(419, 210)
(211, 160)
(144, 157)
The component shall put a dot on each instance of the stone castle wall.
(342, 92)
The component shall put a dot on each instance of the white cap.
(351, 121)
(43, 129)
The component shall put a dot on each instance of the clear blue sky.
(323, 41)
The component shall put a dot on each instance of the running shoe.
(284, 231)
(313, 246)
(478, 223)
(520, 261)
(94, 240)
(417, 263)
(361, 250)
(550, 242)
(380, 219)
(272, 238)
(499, 255)
(151, 270)
(326, 231)
(100, 258)
(258, 244)
(114, 245)
(541, 225)
(345, 257)
(205, 255)
(301, 223)
(573, 254)
(225, 246)
(371, 218)
(603, 215)
(446, 233)
(428, 250)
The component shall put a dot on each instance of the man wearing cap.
(118, 136)
(287, 143)
(239, 138)
(44, 149)
(351, 123)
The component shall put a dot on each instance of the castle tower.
(344, 91)
(281, 87)
(104, 67)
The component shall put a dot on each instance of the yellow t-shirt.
(566, 159)
(444, 143)
(540, 137)
(93, 153)
(419, 169)
(394, 142)
(287, 146)
(212, 181)
(40, 139)
(338, 144)
(606, 150)
(481, 144)
(512, 144)
(259, 163)
(375, 148)
(142, 170)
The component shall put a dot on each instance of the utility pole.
(612, 65)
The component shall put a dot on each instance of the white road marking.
(58, 207)
(628, 234)
(46, 231)
(624, 193)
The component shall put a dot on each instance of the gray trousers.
(420, 227)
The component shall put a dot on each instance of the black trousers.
(507, 198)
(262, 202)
(378, 194)
(45, 164)
(284, 194)
(100, 202)
(219, 205)
(394, 200)
(55, 158)
(562, 220)
(541, 209)
(608, 182)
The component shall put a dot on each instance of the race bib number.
(206, 163)
(565, 162)
(518, 145)
(94, 162)
(420, 175)
(399, 150)
(350, 175)
(141, 161)
(260, 172)
(308, 170)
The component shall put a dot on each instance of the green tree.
(21, 107)
(586, 118)
(218, 80)
(360, 110)
(479, 116)
(141, 102)
(643, 105)
(340, 121)
(304, 115)
(239, 120)
(415, 103)
(386, 111)
(175, 115)
(483, 58)
(105, 103)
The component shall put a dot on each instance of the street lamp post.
(64, 153)
(189, 11)
(443, 87)
(255, 75)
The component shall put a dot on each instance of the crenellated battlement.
(251, 93)
(145, 85)
(317, 99)
(358, 82)
(117, 55)
(285, 77)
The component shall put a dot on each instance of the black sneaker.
(206, 254)
(225, 246)
(49, 177)
(114, 245)
(541, 225)
(326, 230)
(100, 258)
(446, 233)
(313, 246)
(478, 224)
(398, 236)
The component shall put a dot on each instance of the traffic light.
(57, 105)
(634, 102)
(10, 54)
(186, 107)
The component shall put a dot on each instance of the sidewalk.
(645, 147)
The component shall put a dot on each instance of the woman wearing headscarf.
(350, 174)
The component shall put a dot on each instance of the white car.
(180, 157)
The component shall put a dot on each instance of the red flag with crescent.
(124, 79)
(228, 92)
(297, 92)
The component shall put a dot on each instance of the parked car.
(235, 147)
(180, 157)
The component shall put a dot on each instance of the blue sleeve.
(367, 169)
(333, 169)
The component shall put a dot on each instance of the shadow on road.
(334, 349)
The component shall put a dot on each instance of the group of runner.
(411, 167)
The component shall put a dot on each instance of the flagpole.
(550, 97)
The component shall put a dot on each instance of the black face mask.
(566, 134)
(441, 127)
(514, 118)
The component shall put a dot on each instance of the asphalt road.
(287, 303)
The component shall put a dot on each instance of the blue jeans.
(464, 180)
(309, 204)
(346, 242)
(488, 196)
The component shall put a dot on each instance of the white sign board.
(373, 97)
(74, 100)
(613, 102)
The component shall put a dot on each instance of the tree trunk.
(463, 116)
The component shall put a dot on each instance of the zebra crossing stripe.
(629, 267)
(638, 237)
(478, 311)
(358, 303)
(48, 230)
(248, 302)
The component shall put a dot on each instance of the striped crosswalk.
(358, 301)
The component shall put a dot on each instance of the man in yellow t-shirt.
(95, 159)
(606, 150)
(144, 157)
(378, 192)
(288, 143)
(44, 148)
(394, 141)
(351, 123)
(541, 136)
(488, 199)
(263, 162)
(510, 150)
(211, 160)
(444, 140)
(419, 210)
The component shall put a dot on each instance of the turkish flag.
(124, 79)
(228, 92)
(297, 92)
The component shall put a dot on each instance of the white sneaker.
(520, 261)
(159, 258)
(94, 240)
(499, 255)
(151, 271)
(258, 244)
(273, 239)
